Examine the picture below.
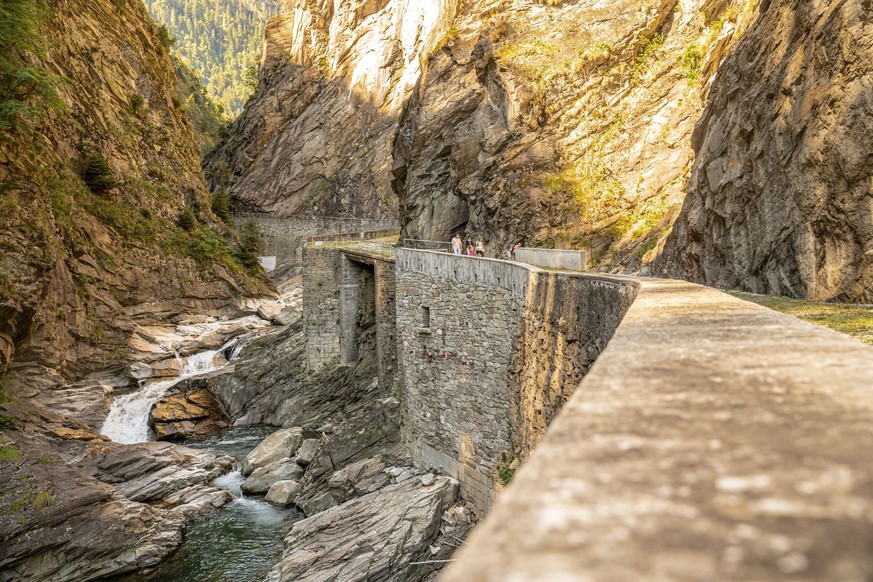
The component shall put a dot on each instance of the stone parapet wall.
(490, 350)
(567, 322)
(713, 439)
(553, 259)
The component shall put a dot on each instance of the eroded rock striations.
(561, 123)
(92, 187)
(374, 537)
(779, 200)
(317, 136)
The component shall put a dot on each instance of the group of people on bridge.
(459, 247)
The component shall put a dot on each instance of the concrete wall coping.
(713, 439)
(486, 270)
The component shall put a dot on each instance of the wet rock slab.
(374, 537)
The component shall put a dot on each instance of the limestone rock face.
(316, 138)
(374, 537)
(779, 199)
(279, 445)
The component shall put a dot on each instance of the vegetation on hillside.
(207, 115)
(26, 89)
(220, 39)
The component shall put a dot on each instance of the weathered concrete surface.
(713, 439)
(553, 259)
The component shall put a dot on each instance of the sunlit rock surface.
(780, 198)
(317, 136)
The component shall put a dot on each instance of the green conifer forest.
(220, 40)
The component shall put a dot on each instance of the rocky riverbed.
(87, 492)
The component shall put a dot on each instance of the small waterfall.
(128, 418)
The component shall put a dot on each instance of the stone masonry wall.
(321, 304)
(339, 285)
(490, 350)
(567, 322)
(386, 322)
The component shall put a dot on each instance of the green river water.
(238, 543)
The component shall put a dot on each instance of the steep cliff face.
(781, 197)
(317, 136)
(80, 260)
(562, 124)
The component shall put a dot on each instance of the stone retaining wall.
(339, 288)
(490, 351)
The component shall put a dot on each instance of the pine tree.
(251, 245)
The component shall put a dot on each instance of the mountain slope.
(80, 260)
(220, 39)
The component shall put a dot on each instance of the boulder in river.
(283, 492)
(264, 477)
(191, 414)
(282, 443)
(375, 537)
(307, 451)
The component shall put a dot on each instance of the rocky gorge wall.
(78, 261)
(316, 138)
(562, 124)
(779, 200)
(490, 351)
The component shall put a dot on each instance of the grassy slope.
(852, 319)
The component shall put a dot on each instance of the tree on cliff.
(251, 244)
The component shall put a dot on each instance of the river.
(238, 543)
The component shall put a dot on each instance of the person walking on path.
(456, 244)
(480, 247)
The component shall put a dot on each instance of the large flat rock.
(374, 537)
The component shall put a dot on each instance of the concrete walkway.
(713, 439)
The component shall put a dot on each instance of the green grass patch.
(7, 422)
(852, 319)
(691, 61)
(9, 453)
(42, 500)
(505, 474)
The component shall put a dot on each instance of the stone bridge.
(663, 430)
(284, 237)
